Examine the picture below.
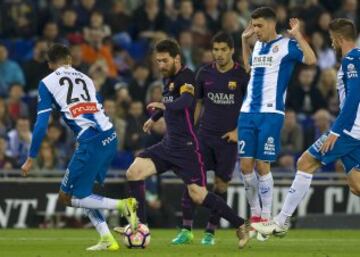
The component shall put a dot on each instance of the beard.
(170, 72)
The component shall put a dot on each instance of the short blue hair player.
(74, 95)
(342, 142)
(270, 63)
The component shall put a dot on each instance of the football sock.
(188, 207)
(297, 191)
(266, 186)
(251, 185)
(97, 219)
(137, 190)
(218, 206)
(95, 202)
(214, 218)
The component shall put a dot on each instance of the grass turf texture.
(72, 243)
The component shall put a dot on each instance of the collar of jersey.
(278, 37)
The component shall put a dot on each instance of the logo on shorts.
(269, 147)
(65, 178)
(232, 85)
(109, 139)
(319, 143)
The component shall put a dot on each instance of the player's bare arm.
(294, 31)
(246, 50)
(199, 105)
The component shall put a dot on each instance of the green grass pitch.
(71, 243)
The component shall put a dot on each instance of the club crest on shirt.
(171, 86)
(232, 85)
(275, 49)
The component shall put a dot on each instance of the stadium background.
(111, 40)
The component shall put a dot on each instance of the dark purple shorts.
(186, 161)
(219, 155)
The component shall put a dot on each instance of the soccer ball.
(137, 239)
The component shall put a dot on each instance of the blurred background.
(111, 41)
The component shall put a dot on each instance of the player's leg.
(351, 163)
(138, 171)
(225, 154)
(266, 186)
(268, 147)
(220, 189)
(185, 236)
(85, 167)
(353, 179)
(247, 135)
(306, 166)
(201, 196)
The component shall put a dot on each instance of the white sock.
(297, 191)
(98, 220)
(95, 202)
(266, 186)
(251, 185)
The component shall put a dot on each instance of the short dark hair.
(223, 37)
(264, 12)
(168, 46)
(58, 52)
(344, 27)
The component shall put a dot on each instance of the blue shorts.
(89, 164)
(259, 135)
(346, 148)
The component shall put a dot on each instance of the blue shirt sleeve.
(295, 53)
(43, 114)
(352, 100)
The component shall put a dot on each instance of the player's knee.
(133, 172)
(196, 194)
(64, 199)
(262, 167)
(355, 189)
(307, 163)
(246, 166)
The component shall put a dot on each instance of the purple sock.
(214, 218)
(187, 206)
(137, 190)
(219, 206)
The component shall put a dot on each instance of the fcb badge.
(232, 85)
(275, 49)
(171, 86)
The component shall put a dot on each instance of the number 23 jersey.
(74, 95)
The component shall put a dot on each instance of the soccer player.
(220, 90)
(179, 149)
(341, 142)
(262, 114)
(74, 95)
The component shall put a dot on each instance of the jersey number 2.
(69, 98)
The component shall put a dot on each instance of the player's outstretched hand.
(26, 167)
(329, 143)
(148, 126)
(231, 136)
(248, 32)
(294, 30)
(156, 105)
